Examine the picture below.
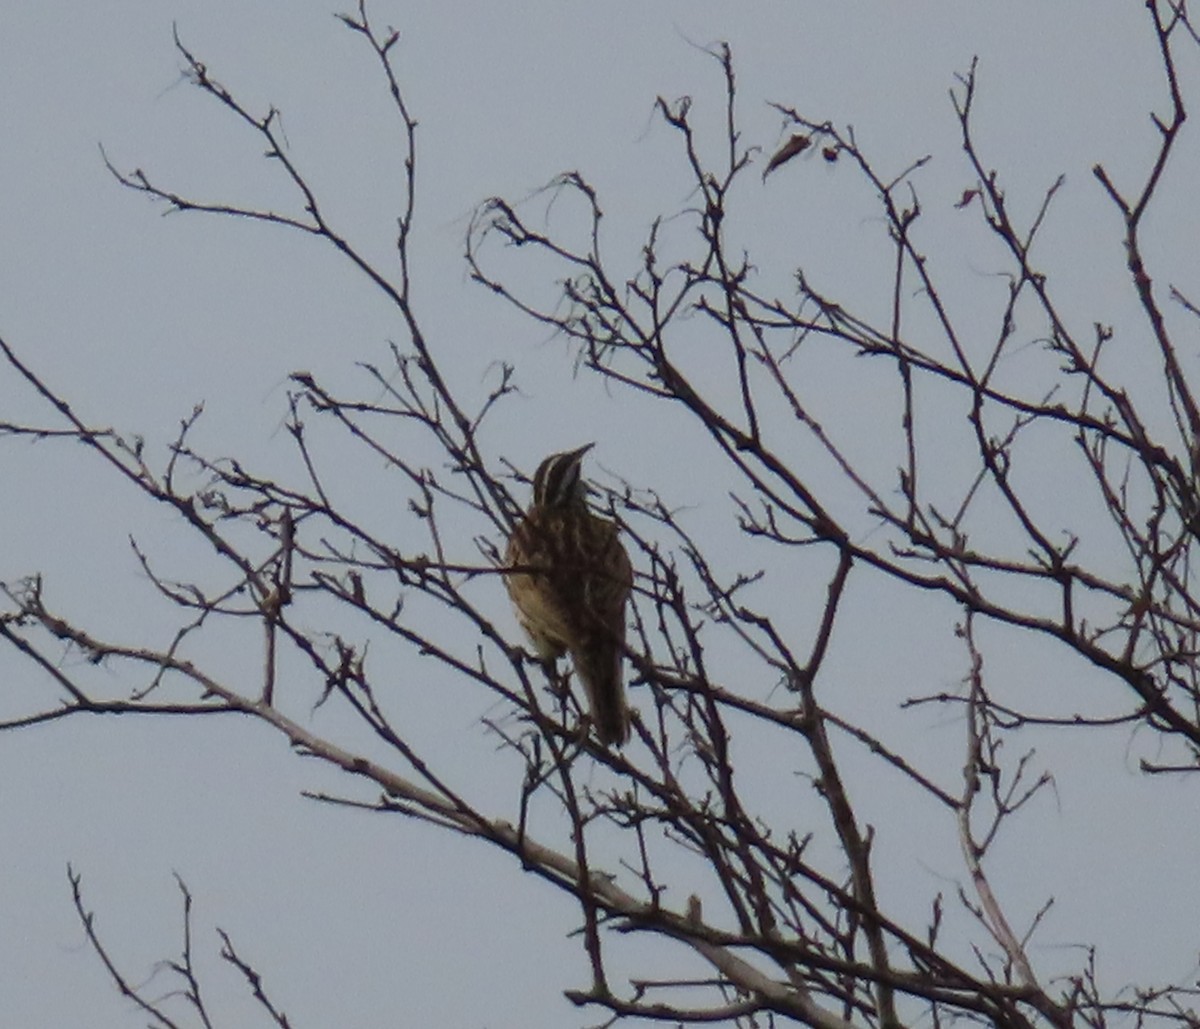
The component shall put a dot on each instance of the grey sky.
(356, 920)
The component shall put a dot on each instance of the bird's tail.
(599, 667)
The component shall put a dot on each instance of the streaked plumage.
(571, 594)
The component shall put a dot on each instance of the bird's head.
(558, 482)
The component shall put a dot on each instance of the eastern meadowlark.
(569, 580)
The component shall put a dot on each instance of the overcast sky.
(358, 920)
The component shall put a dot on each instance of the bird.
(569, 579)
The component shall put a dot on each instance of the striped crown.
(558, 482)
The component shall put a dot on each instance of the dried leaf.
(797, 144)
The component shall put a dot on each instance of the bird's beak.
(577, 456)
